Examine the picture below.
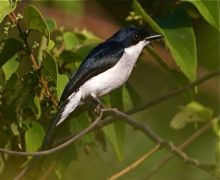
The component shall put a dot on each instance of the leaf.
(70, 40)
(179, 37)
(51, 24)
(8, 48)
(50, 45)
(62, 80)
(14, 129)
(209, 10)
(70, 56)
(192, 112)
(38, 106)
(36, 21)
(83, 51)
(50, 66)
(10, 67)
(6, 7)
(34, 136)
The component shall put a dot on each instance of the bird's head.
(131, 35)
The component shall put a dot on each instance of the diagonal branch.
(170, 94)
(162, 142)
(182, 146)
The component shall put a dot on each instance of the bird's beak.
(153, 36)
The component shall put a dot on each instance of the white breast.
(115, 76)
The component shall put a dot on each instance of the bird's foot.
(98, 109)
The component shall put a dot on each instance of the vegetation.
(36, 60)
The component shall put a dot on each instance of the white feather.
(74, 101)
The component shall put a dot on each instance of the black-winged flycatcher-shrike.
(106, 68)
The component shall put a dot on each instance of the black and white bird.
(107, 67)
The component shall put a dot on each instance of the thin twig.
(135, 164)
(164, 143)
(174, 92)
(182, 146)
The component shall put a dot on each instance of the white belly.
(115, 76)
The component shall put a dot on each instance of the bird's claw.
(98, 109)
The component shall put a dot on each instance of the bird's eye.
(136, 37)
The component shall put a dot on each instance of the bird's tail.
(68, 106)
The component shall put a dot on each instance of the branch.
(135, 164)
(109, 120)
(174, 92)
(182, 146)
(59, 147)
(163, 143)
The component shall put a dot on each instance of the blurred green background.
(150, 80)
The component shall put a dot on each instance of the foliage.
(37, 58)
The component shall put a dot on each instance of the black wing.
(101, 58)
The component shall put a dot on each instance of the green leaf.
(10, 67)
(50, 45)
(38, 107)
(34, 136)
(62, 80)
(52, 25)
(179, 37)
(8, 48)
(209, 10)
(6, 7)
(70, 40)
(14, 129)
(50, 66)
(83, 51)
(36, 21)
(192, 112)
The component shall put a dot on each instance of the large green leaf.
(209, 10)
(62, 80)
(6, 7)
(50, 66)
(34, 136)
(179, 37)
(10, 67)
(36, 21)
(8, 48)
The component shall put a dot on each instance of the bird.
(107, 67)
